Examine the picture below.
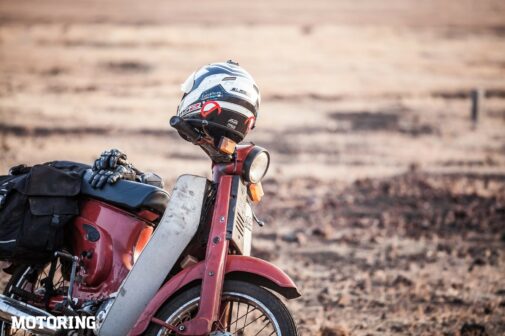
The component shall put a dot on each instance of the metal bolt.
(221, 219)
(216, 240)
(182, 328)
(211, 273)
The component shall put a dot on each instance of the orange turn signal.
(227, 146)
(256, 192)
(142, 241)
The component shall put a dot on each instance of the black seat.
(128, 194)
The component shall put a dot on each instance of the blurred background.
(385, 199)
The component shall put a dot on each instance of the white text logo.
(53, 322)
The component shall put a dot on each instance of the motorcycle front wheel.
(246, 309)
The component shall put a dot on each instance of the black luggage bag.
(36, 203)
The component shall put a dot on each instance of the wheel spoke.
(259, 332)
(239, 318)
(256, 319)
(238, 311)
(225, 316)
(247, 313)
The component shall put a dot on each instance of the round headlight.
(256, 164)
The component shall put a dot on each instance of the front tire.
(246, 309)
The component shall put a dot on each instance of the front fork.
(215, 261)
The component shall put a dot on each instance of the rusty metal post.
(477, 96)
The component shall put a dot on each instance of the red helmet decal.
(210, 107)
(250, 122)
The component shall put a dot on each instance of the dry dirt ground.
(384, 201)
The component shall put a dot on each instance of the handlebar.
(185, 129)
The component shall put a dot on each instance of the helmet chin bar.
(215, 155)
(203, 124)
(206, 142)
(209, 144)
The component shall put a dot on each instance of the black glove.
(109, 160)
(99, 178)
(110, 167)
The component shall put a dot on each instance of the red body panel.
(234, 263)
(107, 260)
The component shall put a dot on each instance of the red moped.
(143, 263)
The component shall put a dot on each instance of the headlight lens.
(256, 165)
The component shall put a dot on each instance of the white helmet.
(223, 94)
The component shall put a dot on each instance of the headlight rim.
(251, 156)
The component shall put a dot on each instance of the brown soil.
(412, 254)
